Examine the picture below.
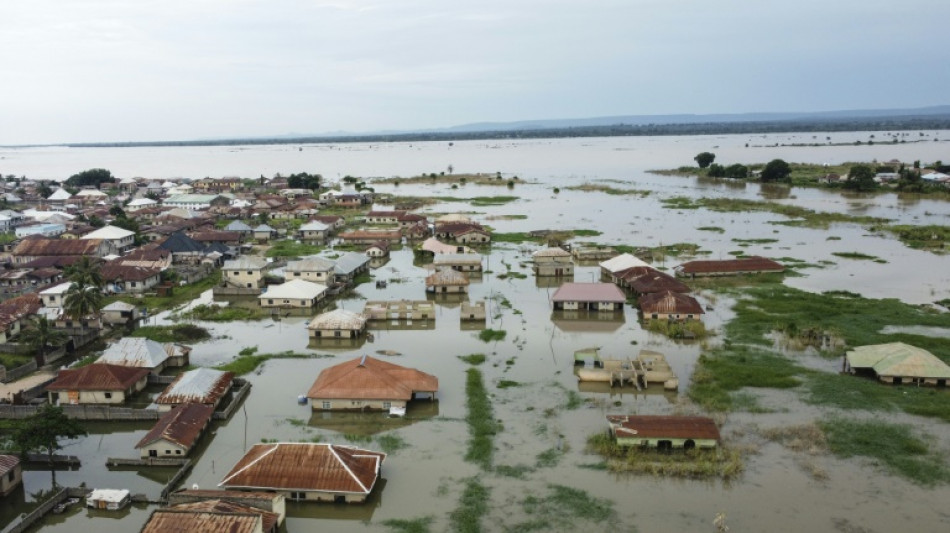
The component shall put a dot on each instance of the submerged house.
(728, 267)
(336, 324)
(621, 262)
(245, 272)
(365, 383)
(460, 262)
(176, 432)
(669, 305)
(311, 268)
(211, 515)
(205, 386)
(898, 363)
(446, 280)
(308, 471)
(555, 262)
(293, 294)
(97, 384)
(664, 432)
(11, 473)
(139, 352)
(588, 296)
(399, 310)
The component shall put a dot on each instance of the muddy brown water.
(776, 492)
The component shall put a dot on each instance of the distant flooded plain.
(545, 428)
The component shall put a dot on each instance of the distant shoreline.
(896, 123)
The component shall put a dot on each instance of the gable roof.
(139, 352)
(314, 225)
(898, 359)
(182, 425)
(295, 289)
(350, 262)
(669, 302)
(447, 277)
(671, 427)
(245, 263)
(237, 225)
(371, 379)
(304, 466)
(59, 194)
(551, 252)
(173, 520)
(657, 281)
(752, 263)
(8, 463)
(225, 514)
(98, 377)
(201, 385)
(113, 271)
(51, 247)
(178, 242)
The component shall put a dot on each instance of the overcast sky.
(116, 70)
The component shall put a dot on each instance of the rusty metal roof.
(446, 276)
(669, 302)
(664, 427)
(55, 247)
(201, 385)
(304, 466)
(742, 264)
(98, 376)
(182, 425)
(7, 463)
(172, 521)
(657, 282)
(227, 507)
(371, 379)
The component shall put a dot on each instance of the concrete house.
(728, 267)
(338, 323)
(116, 239)
(293, 294)
(306, 471)
(371, 236)
(446, 280)
(621, 262)
(669, 305)
(399, 310)
(366, 383)
(119, 312)
(11, 473)
(472, 236)
(139, 352)
(123, 279)
(206, 386)
(97, 384)
(664, 432)
(898, 363)
(588, 296)
(56, 295)
(314, 231)
(350, 265)
(245, 272)
(555, 262)
(176, 432)
(378, 249)
(312, 268)
(460, 262)
(264, 233)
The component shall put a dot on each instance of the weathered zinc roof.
(45, 247)
(182, 425)
(60, 194)
(304, 466)
(622, 262)
(314, 225)
(337, 319)
(657, 282)
(660, 427)
(295, 290)
(109, 233)
(245, 263)
(742, 264)
(669, 302)
(237, 225)
(551, 252)
(350, 262)
(108, 495)
(119, 306)
(457, 259)
(263, 228)
(139, 352)
(201, 385)
(310, 264)
(898, 359)
(98, 377)
(371, 379)
(210, 516)
(447, 277)
(588, 292)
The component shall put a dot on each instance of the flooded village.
(532, 335)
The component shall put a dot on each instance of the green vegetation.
(542, 237)
(932, 238)
(507, 384)
(721, 372)
(804, 217)
(181, 294)
(391, 443)
(548, 458)
(473, 359)
(248, 360)
(722, 463)
(754, 241)
(855, 393)
(176, 333)
(892, 446)
(593, 187)
(704, 159)
(562, 507)
(479, 201)
(482, 426)
(218, 313)
(289, 248)
(477, 179)
(858, 255)
(491, 335)
(516, 471)
(716, 229)
(473, 505)
(689, 329)
(414, 525)
(11, 361)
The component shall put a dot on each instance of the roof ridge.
(252, 463)
(347, 467)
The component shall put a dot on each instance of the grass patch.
(181, 294)
(515, 471)
(561, 507)
(891, 446)
(289, 248)
(473, 359)
(858, 255)
(176, 333)
(804, 438)
(932, 238)
(227, 313)
(548, 458)
(721, 372)
(479, 201)
(858, 393)
(250, 361)
(803, 216)
(411, 525)
(482, 426)
(754, 241)
(11, 361)
(695, 464)
(689, 329)
(593, 187)
(473, 505)
(507, 384)
(490, 335)
(391, 443)
(542, 237)
(715, 229)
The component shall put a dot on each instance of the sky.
(145, 70)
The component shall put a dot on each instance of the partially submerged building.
(293, 294)
(669, 305)
(588, 296)
(337, 324)
(308, 471)
(211, 516)
(728, 267)
(206, 386)
(97, 384)
(245, 271)
(446, 280)
(399, 310)
(11, 473)
(664, 432)
(176, 432)
(366, 383)
(553, 261)
(898, 363)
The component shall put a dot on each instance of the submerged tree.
(42, 431)
(704, 159)
(776, 170)
(860, 178)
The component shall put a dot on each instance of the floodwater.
(776, 492)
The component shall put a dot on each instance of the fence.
(14, 374)
(176, 479)
(150, 461)
(243, 389)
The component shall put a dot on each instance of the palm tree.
(41, 335)
(81, 301)
(85, 272)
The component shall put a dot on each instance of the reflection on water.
(373, 422)
(326, 512)
(588, 321)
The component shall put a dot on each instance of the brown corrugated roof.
(670, 427)
(226, 494)
(182, 425)
(114, 271)
(304, 466)
(657, 282)
(446, 276)
(743, 264)
(669, 302)
(98, 377)
(227, 507)
(20, 306)
(371, 379)
(56, 247)
(365, 235)
(8, 463)
(170, 521)
(588, 292)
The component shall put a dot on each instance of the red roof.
(664, 427)
(589, 292)
(657, 282)
(371, 379)
(669, 302)
(182, 425)
(99, 376)
(743, 264)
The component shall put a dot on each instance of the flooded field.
(545, 415)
